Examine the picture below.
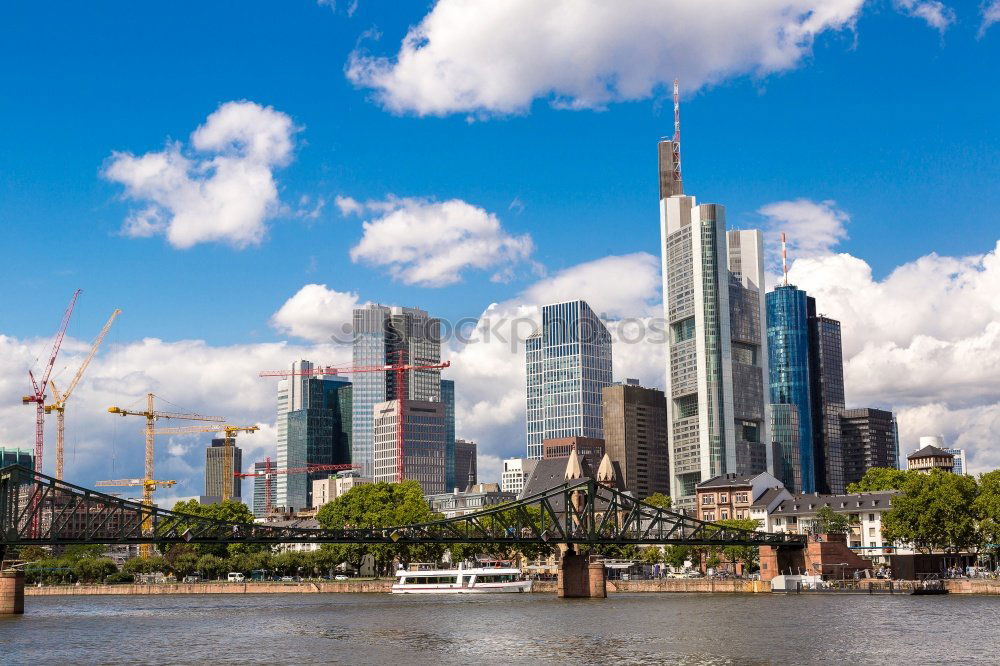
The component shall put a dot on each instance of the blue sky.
(889, 111)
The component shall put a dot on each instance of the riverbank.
(696, 585)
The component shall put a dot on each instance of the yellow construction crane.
(227, 449)
(59, 406)
(148, 483)
(148, 486)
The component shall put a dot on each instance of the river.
(503, 629)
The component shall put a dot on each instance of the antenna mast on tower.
(784, 258)
(677, 136)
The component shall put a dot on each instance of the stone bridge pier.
(11, 592)
(580, 577)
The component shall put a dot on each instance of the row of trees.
(938, 511)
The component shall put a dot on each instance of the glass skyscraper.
(788, 351)
(291, 397)
(448, 398)
(318, 434)
(568, 363)
(384, 335)
(826, 388)
(717, 358)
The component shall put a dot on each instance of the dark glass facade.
(869, 440)
(321, 433)
(788, 351)
(826, 385)
(448, 399)
(215, 472)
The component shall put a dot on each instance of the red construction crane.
(267, 473)
(399, 368)
(38, 388)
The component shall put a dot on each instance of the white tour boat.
(476, 580)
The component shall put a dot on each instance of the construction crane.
(149, 484)
(399, 368)
(38, 387)
(268, 473)
(59, 406)
(227, 452)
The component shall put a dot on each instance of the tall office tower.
(216, 473)
(515, 474)
(785, 445)
(635, 436)
(717, 358)
(291, 394)
(385, 335)
(788, 348)
(568, 363)
(318, 434)
(466, 470)
(423, 443)
(448, 399)
(869, 439)
(826, 390)
(17, 456)
(260, 489)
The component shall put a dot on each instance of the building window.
(871, 532)
(725, 515)
(723, 498)
(741, 498)
(707, 499)
(871, 517)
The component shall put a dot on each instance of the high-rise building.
(260, 489)
(466, 470)
(869, 439)
(423, 426)
(788, 353)
(319, 433)
(17, 456)
(291, 396)
(448, 399)
(216, 472)
(717, 358)
(568, 363)
(635, 436)
(785, 451)
(826, 390)
(589, 449)
(384, 335)
(515, 473)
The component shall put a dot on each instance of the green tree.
(146, 565)
(94, 569)
(659, 500)
(935, 511)
(879, 479)
(231, 511)
(828, 521)
(987, 507)
(651, 555)
(379, 505)
(32, 553)
(676, 556)
(748, 555)
(212, 567)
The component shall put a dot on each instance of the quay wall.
(973, 586)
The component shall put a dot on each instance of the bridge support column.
(11, 592)
(579, 577)
(778, 560)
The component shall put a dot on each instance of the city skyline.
(865, 231)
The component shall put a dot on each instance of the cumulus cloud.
(811, 228)
(220, 188)
(430, 243)
(936, 14)
(317, 313)
(991, 15)
(499, 57)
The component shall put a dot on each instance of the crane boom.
(59, 406)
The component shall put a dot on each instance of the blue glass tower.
(788, 352)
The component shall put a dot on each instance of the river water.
(503, 629)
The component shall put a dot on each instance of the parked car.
(340, 577)
(236, 577)
(192, 579)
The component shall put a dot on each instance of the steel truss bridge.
(36, 509)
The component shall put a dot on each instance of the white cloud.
(349, 205)
(221, 188)
(936, 14)
(499, 57)
(811, 228)
(991, 15)
(317, 313)
(430, 243)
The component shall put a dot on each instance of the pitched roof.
(728, 481)
(848, 503)
(767, 497)
(930, 451)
